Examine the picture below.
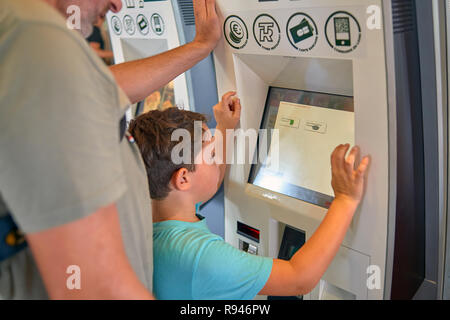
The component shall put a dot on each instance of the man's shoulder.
(43, 27)
(35, 33)
(20, 12)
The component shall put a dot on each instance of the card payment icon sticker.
(302, 32)
(142, 23)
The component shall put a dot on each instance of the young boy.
(192, 263)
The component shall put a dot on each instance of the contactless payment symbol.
(236, 32)
(267, 32)
(343, 32)
(157, 24)
(129, 25)
(142, 24)
(302, 32)
(116, 25)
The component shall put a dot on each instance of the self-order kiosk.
(313, 74)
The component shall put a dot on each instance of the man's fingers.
(199, 9)
(211, 8)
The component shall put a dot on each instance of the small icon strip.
(342, 32)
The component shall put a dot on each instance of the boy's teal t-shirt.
(191, 263)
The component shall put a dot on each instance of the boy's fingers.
(351, 158)
(360, 172)
(228, 95)
(335, 158)
(227, 100)
(340, 155)
(237, 108)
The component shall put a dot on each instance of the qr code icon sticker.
(342, 25)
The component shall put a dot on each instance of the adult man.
(71, 183)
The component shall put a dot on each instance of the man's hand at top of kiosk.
(302, 273)
(140, 78)
(207, 25)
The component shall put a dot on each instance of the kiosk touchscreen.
(309, 126)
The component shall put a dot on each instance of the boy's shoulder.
(203, 265)
(175, 233)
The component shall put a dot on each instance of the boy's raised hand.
(228, 111)
(348, 182)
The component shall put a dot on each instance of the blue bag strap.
(12, 241)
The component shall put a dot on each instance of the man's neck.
(173, 209)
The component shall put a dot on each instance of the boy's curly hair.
(153, 134)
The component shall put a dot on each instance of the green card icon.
(302, 31)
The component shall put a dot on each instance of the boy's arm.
(227, 113)
(301, 274)
(140, 78)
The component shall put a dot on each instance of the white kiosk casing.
(359, 69)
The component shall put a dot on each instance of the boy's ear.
(181, 179)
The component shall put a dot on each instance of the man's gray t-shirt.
(61, 156)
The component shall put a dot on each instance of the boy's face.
(205, 178)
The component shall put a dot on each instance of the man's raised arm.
(142, 77)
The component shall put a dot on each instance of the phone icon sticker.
(342, 31)
(157, 23)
